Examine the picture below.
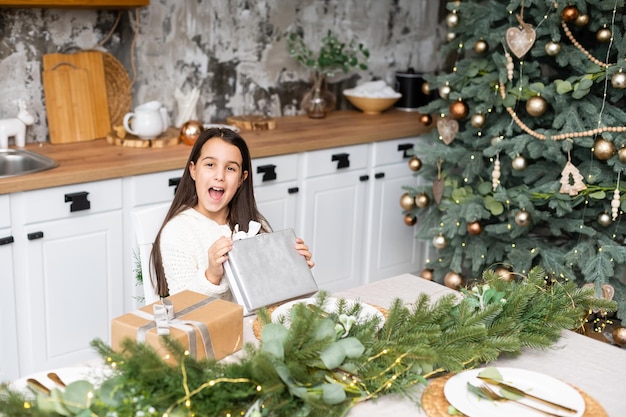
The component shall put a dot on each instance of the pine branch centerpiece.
(325, 363)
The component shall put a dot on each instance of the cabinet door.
(71, 289)
(9, 364)
(333, 218)
(392, 247)
(278, 204)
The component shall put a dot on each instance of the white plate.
(218, 126)
(367, 311)
(541, 385)
(95, 375)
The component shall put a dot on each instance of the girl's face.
(218, 174)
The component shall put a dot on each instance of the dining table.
(596, 368)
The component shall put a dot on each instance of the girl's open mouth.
(216, 193)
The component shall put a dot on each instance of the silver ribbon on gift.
(164, 318)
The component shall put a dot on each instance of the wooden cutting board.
(76, 97)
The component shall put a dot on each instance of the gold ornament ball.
(427, 274)
(190, 131)
(407, 202)
(536, 106)
(450, 36)
(618, 80)
(522, 218)
(495, 140)
(459, 109)
(481, 46)
(582, 20)
(415, 164)
(422, 200)
(604, 35)
(453, 280)
(603, 149)
(444, 91)
(478, 120)
(604, 219)
(426, 119)
(621, 154)
(474, 228)
(619, 336)
(452, 19)
(426, 88)
(505, 274)
(552, 48)
(410, 220)
(570, 13)
(439, 241)
(518, 163)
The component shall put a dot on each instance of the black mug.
(409, 84)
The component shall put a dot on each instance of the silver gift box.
(266, 269)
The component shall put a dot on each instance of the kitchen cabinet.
(333, 216)
(276, 190)
(392, 248)
(68, 257)
(9, 368)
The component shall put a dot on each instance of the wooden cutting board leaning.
(76, 97)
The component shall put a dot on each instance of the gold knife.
(518, 391)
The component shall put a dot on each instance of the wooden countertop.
(97, 160)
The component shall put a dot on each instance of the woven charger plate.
(257, 327)
(435, 404)
(118, 88)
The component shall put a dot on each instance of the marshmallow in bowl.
(374, 89)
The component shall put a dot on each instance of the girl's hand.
(304, 251)
(218, 254)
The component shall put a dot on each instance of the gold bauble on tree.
(427, 274)
(619, 336)
(407, 202)
(453, 280)
(474, 228)
(604, 219)
(603, 149)
(410, 220)
(452, 19)
(518, 163)
(426, 88)
(426, 119)
(190, 131)
(415, 164)
(536, 106)
(440, 241)
(444, 91)
(422, 200)
(582, 20)
(505, 274)
(478, 120)
(481, 46)
(522, 218)
(621, 154)
(459, 109)
(552, 48)
(570, 13)
(618, 80)
(604, 35)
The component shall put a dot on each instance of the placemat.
(257, 327)
(435, 404)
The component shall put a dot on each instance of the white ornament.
(495, 175)
(615, 203)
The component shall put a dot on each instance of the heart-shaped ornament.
(520, 40)
(447, 128)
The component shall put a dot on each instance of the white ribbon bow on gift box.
(253, 230)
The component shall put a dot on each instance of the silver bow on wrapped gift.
(253, 230)
(164, 318)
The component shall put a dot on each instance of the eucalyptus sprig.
(332, 55)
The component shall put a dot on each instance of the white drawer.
(5, 211)
(393, 151)
(72, 200)
(158, 187)
(328, 161)
(274, 169)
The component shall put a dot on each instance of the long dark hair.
(242, 207)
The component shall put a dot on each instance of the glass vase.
(318, 101)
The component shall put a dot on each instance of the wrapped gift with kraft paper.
(208, 327)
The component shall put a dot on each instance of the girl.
(214, 194)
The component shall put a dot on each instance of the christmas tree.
(525, 162)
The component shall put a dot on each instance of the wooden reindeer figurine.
(16, 127)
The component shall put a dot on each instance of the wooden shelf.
(94, 4)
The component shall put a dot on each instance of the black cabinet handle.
(342, 159)
(379, 175)
(173, 182)
(268, 171)
(364, 178)
(6, 240)
(404, 147)
(79, 201)
(293, 190)
(34, 235)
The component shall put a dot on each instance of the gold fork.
(494, 396)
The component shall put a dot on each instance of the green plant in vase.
(332, 56)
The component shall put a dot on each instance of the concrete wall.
(234, 51)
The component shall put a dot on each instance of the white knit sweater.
(185, 243)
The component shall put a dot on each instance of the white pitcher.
(148, 120)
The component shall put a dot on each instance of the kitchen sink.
(14, 162)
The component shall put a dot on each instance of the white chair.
(147, 222)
